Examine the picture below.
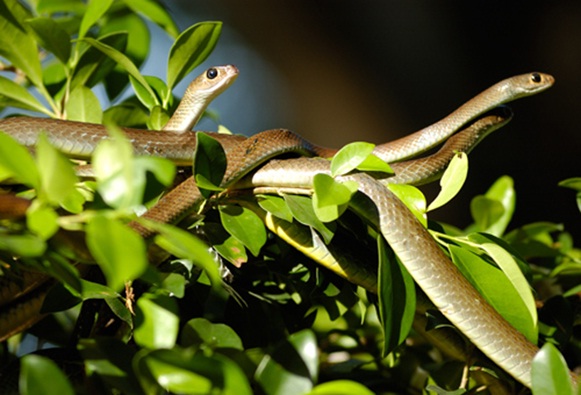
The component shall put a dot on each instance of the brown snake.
(431, 269)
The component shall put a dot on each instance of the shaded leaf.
(209, 164)
(302, 210)
(16, 95)
(156, 12)
(41, 376)
(245, 226)
(51, 37)
(17, 163)
(190, 49)
(83, 106)
(199, 331)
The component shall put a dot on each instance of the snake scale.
(430, 268)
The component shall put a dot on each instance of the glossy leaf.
(276, 206)
(16, 161)
(396, 298)
(452, 181)
(349, 157)
(209, 164)
(41, 376)
(16, 95)
(156, 12)
(94, 11)
(331, 198)
(302, 210)
(200, 331)
(245, 226)
(51, 37)
(341, 387)
(122, 61)
(511, 269)
(16, 44)
(57, 176)
(413, 198)
(156, 321)
(181, 371)
(374, 164)
(493, 213)
(291, 368)
(119, 251)
(185, 245)
(496, 289)
(190, 49)
(549, 373)
(83, 106)
(119, 183)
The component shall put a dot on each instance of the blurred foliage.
(234, 309)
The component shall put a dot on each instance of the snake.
(431, 269)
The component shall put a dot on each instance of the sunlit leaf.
(190, 49)
(82, 105)
(302, 209)
(199, 331)
(41, 376)
(156, 12)
(95, 10)
(276, 206)
(349, 157)
(496, 289)
(292, 367)
(549, 373)
(19, 96)
(156, 321)
(493, 212)
(51, 37)
(16, 161)
(341, 387)
(413, 198)
(331, 198)
(451, 181)
(245, 226)
(119, 251)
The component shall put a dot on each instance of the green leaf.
(83, 106)
(496, 289)
(57, 176)
(181, 371)
(190, 49)
(156, 321)
(341, 387)
(41, 376)
(16, 161)
(156, 12)
(511, 269)
(349, 157)
(51, 37)
(226, 245)
(182, 244)
(144, 96)
(119, 183)
(276, 206)
(331, 198)
(118, 250)
(94, 65)
(302, 210)
(572, 183)
(374, 164)
(209, 164)
(244, 225)
(15, 95)
(452, 180)
(95, 10)
(122, 60)
(292, 367)
(42, 220)
(413, 198)
(549, 373)
(23, 246)
(16, 44)
(200, 331)
(396, 297)
(493, 211)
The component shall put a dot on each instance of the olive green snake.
(431, 269)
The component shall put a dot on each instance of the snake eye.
(212, 73)
(536, 77)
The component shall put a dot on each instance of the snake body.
(431, 269)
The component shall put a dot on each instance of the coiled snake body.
(430, 268)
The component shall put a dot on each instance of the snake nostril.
(536, 77)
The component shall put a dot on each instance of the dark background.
(336, 72)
